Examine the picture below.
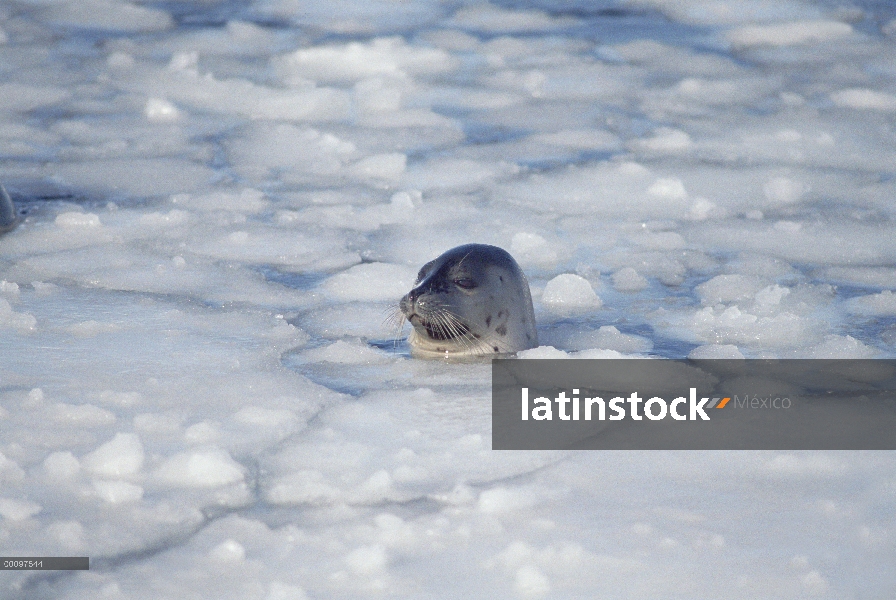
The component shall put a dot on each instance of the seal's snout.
(406, 305)
(410, 300)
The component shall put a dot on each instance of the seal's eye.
(465, 283)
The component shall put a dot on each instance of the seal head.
(472, 300)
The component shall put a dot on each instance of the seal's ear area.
(8, 217)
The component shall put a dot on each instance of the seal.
(471, 300)
(8, 217)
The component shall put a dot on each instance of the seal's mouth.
(439, 331)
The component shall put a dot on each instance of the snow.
(203, 383)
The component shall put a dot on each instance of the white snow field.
(223, 200)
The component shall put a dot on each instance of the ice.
(710, 351)
(106, 14)
(205, 468)
(299, 150)
(20, 321)
(356, 61)
(22, 97)
(61, 465)
(728, 288)
(204, 383)
(883, 304)
(121, 456)
(116, 492)
(721, 12)
(787, 34)
(629, 280)
(569, 292)
(490, 18)
(865, 99)
(351, 17)
(15, 510)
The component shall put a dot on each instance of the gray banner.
(45, 563)
(693, 404)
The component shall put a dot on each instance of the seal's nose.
(406, 305)
(408, 302)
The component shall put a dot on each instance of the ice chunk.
(532, 249)
(531, 582)
(729, 288)
(664, 140)
(628, 280)
(788, 34)
(22, 322)
(494, 19)
(81, 415)
(284, 591)
(367, 560)
(357, 60)
(784, 190)
(608, 337)
(371, 282)
(23, 97)
(882, 304)
(115, 15)
(228, 551)
(117, 492)
(347, 353)
(863, 98)
(183, 85)
(78, 220)
(568, 291)
(842, 346)
(724, 12)
(387, 166)
(543, 352)
(10, 471)
(121, 456)
(725, 351)
(303, 487)
(607, 189)
(264, 148)
(18, 510)
(349, 16)
(161, 111)
(202, 468)
(135, 177)
(247, 200)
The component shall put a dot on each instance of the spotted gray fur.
(471, 300)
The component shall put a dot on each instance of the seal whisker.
(462, 331)
(394, 319)
(393, 316)
(446, 328)
(450, 324)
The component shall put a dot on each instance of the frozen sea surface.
(222, 201)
